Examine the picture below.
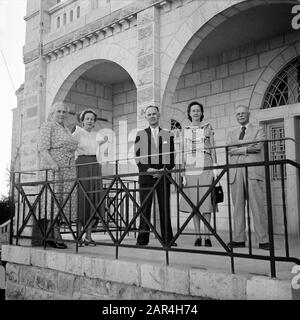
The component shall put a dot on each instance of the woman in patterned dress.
(199, 138)
(57, 147)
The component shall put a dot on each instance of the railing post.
(46, 209)
(248, 210)
(286, 235)
(18, 215)
(166, 205)
(229, 209)
(12, 208)
(269, 209)
(116, 208)
(77, 221)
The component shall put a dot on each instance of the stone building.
(119, 56)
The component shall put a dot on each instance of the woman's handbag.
(218, 193)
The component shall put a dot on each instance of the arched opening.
(221, 65)
(107, 88)
(58, 22)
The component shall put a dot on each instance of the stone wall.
(42, 274)
(115, 103)
(91, 94)
(221, 82)
(125, 122)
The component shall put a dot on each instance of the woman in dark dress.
(88, 169)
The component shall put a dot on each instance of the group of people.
(59, 148)
(154, 151)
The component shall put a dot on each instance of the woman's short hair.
(55, 106)
(195, 103)
(86, 111)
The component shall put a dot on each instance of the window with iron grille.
(277, 151)
(175, 125)
(285, 87)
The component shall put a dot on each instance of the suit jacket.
(149, 155)
(240, 155)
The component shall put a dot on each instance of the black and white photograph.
(150, 154)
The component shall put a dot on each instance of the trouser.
(163, 196)
(257, 206)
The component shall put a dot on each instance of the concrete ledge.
(77, 276)
(218, 285)
(16, 254)
(268, 289)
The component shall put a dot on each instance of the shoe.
(61, 245)
(80, 243)
(89, 242)
(56, 244)
(198, 242)
(207, 243)
(235, 244)
(264, 246)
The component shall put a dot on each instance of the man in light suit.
(247, 153)
(154, 150)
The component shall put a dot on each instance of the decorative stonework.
(116, 22)
(148, 59)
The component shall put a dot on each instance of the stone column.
(38, 23)
(148, 86)
(30, 112)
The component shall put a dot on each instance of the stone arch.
(66, 70)
(195, 29)
(274, 67)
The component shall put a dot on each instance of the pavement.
(196, 259)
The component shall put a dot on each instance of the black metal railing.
(37, 199)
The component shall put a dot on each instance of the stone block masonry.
(38, 274)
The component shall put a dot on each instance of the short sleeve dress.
(198, 155)
(58, 141)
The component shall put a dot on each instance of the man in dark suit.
(154, 150)
(253, 152)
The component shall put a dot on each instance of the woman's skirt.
(197, 184)
(90, 177)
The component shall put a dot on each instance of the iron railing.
(37, 199)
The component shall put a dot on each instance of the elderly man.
(247, 132)
(154, 150)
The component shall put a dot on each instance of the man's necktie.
(155, 134)
(242, 134)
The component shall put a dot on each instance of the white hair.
(54, 108)
(242, 106)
